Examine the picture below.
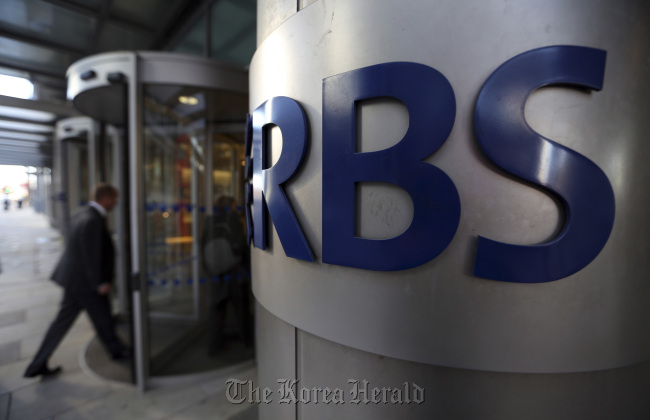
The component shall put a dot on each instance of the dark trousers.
(99, 311)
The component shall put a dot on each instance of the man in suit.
(85, 272)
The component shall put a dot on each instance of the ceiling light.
(23, 136)
(29, 127)
(26, 114)
(17, 87)
(188, 100)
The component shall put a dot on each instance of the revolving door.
(72, 141)
(182, 122)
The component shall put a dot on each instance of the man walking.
(85, 272)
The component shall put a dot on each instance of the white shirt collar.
(98, 207)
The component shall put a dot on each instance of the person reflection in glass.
(225, 258)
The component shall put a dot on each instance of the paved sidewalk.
(29, 248)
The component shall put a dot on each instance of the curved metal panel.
(96, 83)
(73, 127)
(187, 70)
(91, 90)
(439, 312)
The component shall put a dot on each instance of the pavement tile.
(128, 403)
(54, 395)
(25, 330)
(215, 407)
(217, 385)
(13, 317)
(47, 311)
(11, 376)
(5, 402)
(9, 352)
(251, 413)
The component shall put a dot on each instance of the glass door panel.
(227, 267)
(74, 177)
(198, 279)
(174, 135)
(79, 185)
(110, 170)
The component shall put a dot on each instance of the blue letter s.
(583, 188)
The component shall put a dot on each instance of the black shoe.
(125, 353)
(44, 372)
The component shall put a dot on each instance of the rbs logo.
(502, 133)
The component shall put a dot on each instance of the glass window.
(22, 54)
(47, 21)
(197, 258)
(116, 37)
(148, 13)
(173, 156)
(18, 87)
(233, 35)
(194, 41)
(91, 4)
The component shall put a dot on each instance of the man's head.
(105, 195)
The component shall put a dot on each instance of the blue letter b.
(429, 98)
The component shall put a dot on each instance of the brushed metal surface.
(96, 97)
(439, 313)
(271, 14)
(104, 101)
(276, 360)
(465, 394)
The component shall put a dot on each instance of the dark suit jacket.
(89, 256)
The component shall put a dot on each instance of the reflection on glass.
(77, 163)
(225, 260)
(233, 37)
(173, 143)
(225, 252)
(106, 171)
(197, 258)
(194, 41)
